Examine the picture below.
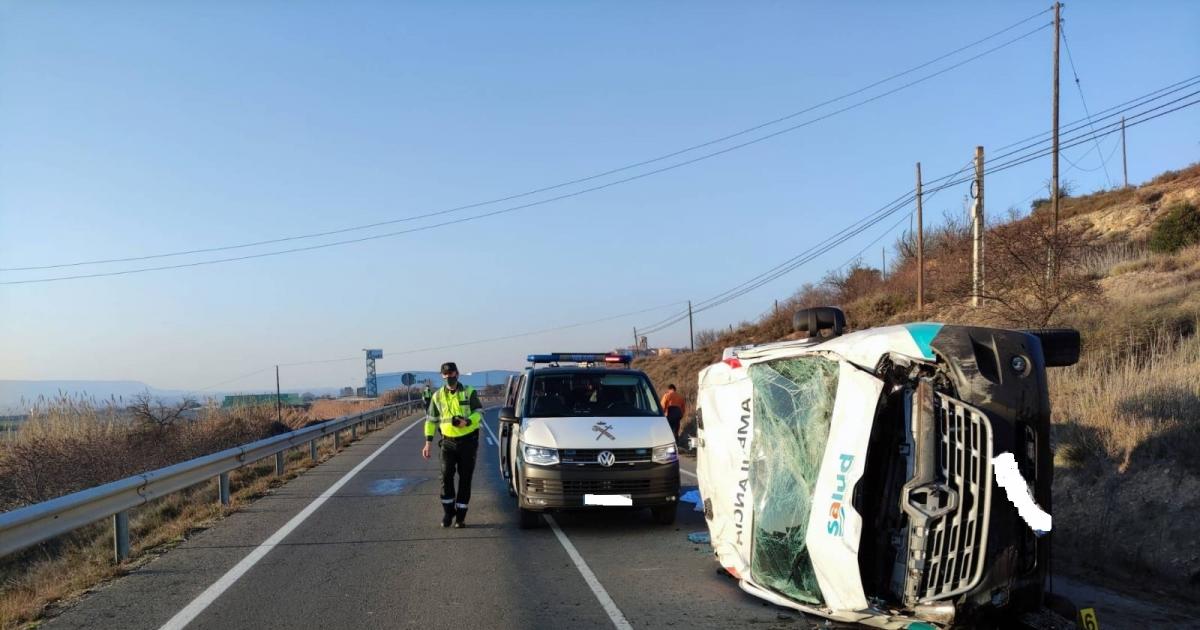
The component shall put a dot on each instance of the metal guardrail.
(30, 525)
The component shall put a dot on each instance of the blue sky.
(132, 128)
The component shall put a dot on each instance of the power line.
(1103, 160)
(562, 184)
(889, 209)
(1079, 88)
(859, 255)
(1129, 104)
(448, 346)
(909, 215)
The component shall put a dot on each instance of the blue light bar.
(580, 357)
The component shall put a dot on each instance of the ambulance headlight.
(665, 454)
(541, 455)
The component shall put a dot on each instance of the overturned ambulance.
(851, 476)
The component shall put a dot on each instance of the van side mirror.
(1060, 346)
(509, 414)
(815, 319)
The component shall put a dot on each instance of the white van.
(576, 434)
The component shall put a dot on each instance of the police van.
(584, 431)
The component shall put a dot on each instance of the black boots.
(460, 516)
(449, 509)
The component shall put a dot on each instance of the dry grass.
(72, 444)
(330, 409)
(1129, 407)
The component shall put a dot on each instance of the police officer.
(456, 411)
(427, 395)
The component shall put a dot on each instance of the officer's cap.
(449, 366)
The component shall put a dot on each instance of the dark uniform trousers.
(458, 456)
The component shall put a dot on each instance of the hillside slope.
(1126, 419)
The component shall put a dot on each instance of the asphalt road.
(367, 550)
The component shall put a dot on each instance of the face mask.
(452, 381)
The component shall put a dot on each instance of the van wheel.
(529, 519)
(664, 514)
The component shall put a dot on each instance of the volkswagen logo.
(606, 458)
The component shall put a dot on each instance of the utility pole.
(920, 248)
(278, 399)
(1124, 158)
(882, 262)
(977, 225)
(635, 344)
(691, 333)
(1054, 118)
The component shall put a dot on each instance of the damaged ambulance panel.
(850, 477)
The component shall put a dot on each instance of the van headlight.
(541, 455)
(665, 454)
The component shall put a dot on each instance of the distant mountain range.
(17, 396)
(391, 380)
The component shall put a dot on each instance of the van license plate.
(607, 499)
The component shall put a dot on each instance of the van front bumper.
(559, 487)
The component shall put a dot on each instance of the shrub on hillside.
(1178, 228)
(1031, 272)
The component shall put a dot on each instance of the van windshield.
(793, 404)
(575, 394)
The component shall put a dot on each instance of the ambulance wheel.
(664, 514)
(529, 519)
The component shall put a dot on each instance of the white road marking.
(606, 602)
(210, 594)
(489, 430)
(610, 607)
(489, 438)
(688, 472)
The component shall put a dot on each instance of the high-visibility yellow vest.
(449, 404)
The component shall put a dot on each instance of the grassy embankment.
(69, 445)
(1126, 419)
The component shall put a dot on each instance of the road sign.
(408, 379)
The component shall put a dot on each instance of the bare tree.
(1034, 271)
(154, 412)
(705, 338)
(856, 281)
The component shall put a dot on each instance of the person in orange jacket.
(673, 407)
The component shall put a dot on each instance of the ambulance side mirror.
(509, 415)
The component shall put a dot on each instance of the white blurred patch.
(1004, 466)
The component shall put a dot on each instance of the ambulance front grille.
(957, 540)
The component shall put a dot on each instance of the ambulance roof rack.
(588, 358)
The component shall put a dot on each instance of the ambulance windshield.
(793, 403)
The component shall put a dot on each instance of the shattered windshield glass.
(793, 403)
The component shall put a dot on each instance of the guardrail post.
(223, 488)
(121, 536)
(312, 450)
(279, 463)
(337, 440)
(353, 432)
